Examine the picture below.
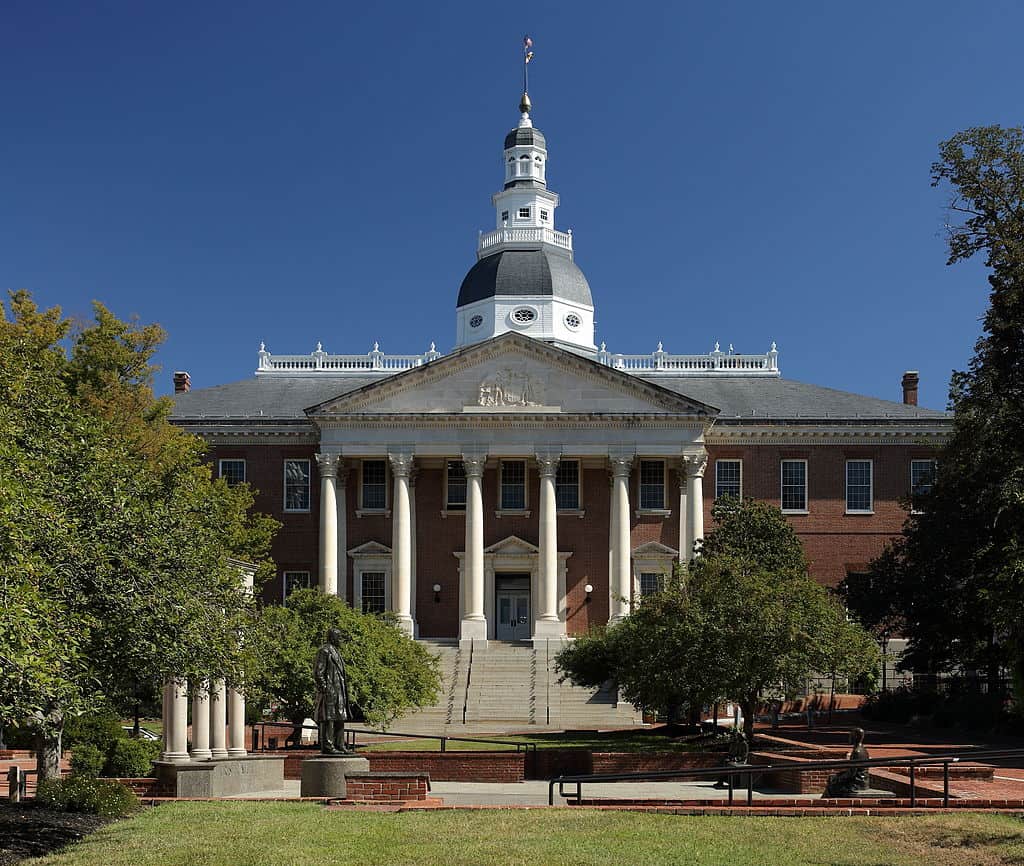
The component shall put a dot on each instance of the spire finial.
(524, 103)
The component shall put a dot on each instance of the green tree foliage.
(954, 581)
(746, 622)
(114, 538)
(388, 672)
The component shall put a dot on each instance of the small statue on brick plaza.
(332, 707)
(855, 780)
(739, 755)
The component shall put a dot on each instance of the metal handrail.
(749, 770)
(350, 738)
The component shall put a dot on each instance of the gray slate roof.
(544, 271)
(740, 399)
(525, 135)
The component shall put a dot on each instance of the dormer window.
(524, 213)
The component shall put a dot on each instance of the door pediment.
(512, 375)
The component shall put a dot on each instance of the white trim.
(284, 581)
(807, 485)
(386, 510)
(447, 509)
(578, 510)
(223, 460)
(663, 510)
(370, 557)
(525, 510)
(871, 485)
(309, 485)
(729, 460)
(651, 558)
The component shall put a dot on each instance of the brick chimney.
(910, 380)
(183, 383)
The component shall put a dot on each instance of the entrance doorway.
(512, 603)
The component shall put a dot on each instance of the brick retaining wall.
(387, 787)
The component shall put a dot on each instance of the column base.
(473, 630)
(175, 757)
(201, 754)
(217, 754)
(547, 629)
(237, 753)
(406, 624)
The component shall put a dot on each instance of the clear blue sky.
(296, 172)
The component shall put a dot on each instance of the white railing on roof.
(534, 235)
(714, 363)
(373, 362)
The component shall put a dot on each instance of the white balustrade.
(533, 235)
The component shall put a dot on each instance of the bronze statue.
(739, 756)
(850, 782)
(331, 709)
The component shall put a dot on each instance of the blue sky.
(742, 172)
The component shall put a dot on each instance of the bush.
(131, 758)
(87, 761)
(90, 796)
(100, 729)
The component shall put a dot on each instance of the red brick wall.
(835, 542)
(387, 788)
(147, 787)
(453, 766)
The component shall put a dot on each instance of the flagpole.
(526, 71)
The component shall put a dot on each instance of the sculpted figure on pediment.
(510, 387)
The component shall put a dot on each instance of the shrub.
(87, 761)
(131, 758)
(90, 796)
(100, 729)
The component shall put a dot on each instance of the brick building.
(531, 482)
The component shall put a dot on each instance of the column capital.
(474, 464)
(547, 463)
(328, 464)
(682, 474)
(621, 465)
(401, 464)
(695, 464)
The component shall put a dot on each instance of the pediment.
(512, 375)
(654, 549)
(370, 548)
(512, 546)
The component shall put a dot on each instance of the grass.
(302, 834)
(610, 741)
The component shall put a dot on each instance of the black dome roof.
(525, 135)
(542, 271)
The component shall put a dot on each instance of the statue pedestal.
(324, 775)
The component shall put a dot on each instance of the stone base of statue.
(324, 775)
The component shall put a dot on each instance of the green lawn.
(300, 834)
(610, 741)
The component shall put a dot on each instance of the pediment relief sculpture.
(510, 387)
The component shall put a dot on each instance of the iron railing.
(751, 770)
(259, 743)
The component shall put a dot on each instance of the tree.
(388, 672)
(114, 538)
(955, 579)
(745, 622)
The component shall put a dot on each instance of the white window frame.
(520, 215)
(652, 558)
(309, 483)
(526, 487)
(871, 485)
(718, 493)
(294, 572)
(362, 509)
(447, 510)
(647, 509)
(372, 564)
(935, 468)
(362, 590)
(579, 487)
(504, 216)
(544, 215)
(807, 479)
(220, 468)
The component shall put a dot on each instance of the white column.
(401, 543)
(175, 721)
(201, 722)
(474, 623)
(619, 580)
(685, 545)
(412, 551)
(218, 719)
(546, 623)
(328, 466)
(236, 724)
(695, 465)
(342, 510)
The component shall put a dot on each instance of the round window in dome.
(573, 322)
(523, 316)
(476, 321)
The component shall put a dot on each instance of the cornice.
(899, 433)
(506, 420)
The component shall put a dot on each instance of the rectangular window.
(374, 592)
(455, 499)
(922, 477)
(513, 485)
(374, 485)
(728, 478)
(293, 581)
(232, 471)
(543, 215)
(650, 583)
(794, 485)
(296, 485)
(567, 486)
(504, 216)
(524, 213)
(652, 485)
(858, 486)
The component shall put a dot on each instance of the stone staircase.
(510, 687)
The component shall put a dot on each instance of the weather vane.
(527, 57)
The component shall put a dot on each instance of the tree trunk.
(49, 733)
(135, 721)
(749, 707)
(832, 697)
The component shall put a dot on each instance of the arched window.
(524, 166)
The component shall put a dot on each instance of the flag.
(529, 56)
(527, 43)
